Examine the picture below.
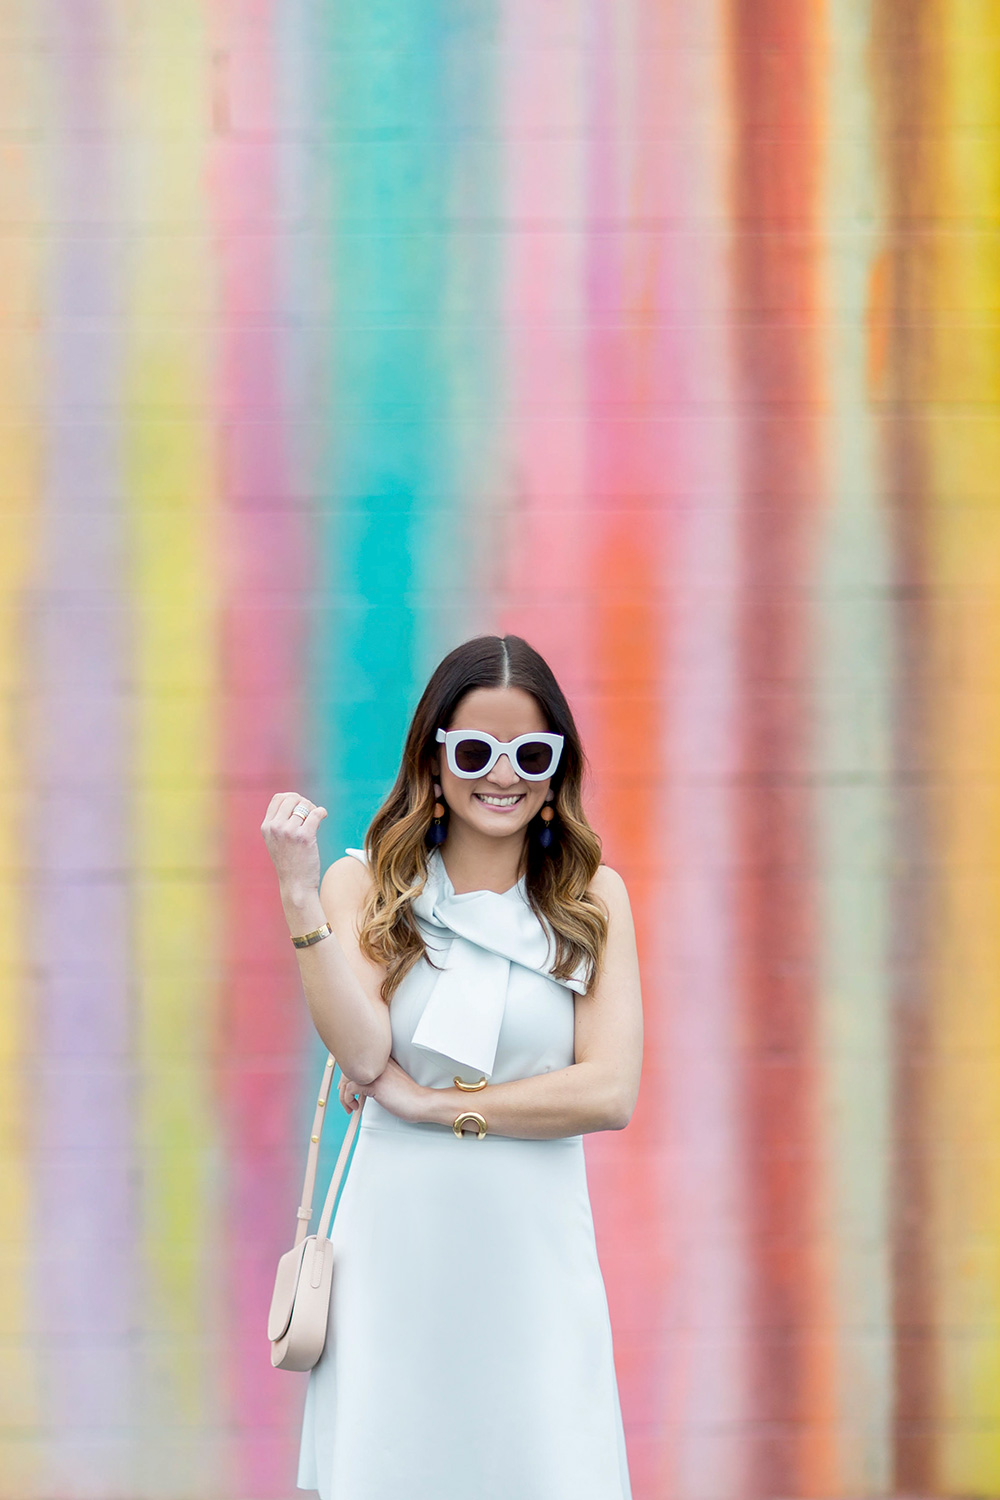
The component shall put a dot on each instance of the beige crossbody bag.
(300, 1306)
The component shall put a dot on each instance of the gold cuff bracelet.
(470, 1114)
(308, 938)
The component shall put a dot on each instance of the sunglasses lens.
(534, 758)
(471, 754)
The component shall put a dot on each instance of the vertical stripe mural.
(263, 639)
(852, 678)
(23, 291)
(958, 385)
(907, 101)
(662, 335)
(173, 541)
(778, 60)
(82, 761)
(539, 574)
(695, 1392)
(388, 159)
(627, 497)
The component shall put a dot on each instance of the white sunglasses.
(473, 752)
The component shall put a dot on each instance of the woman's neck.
(478, 864)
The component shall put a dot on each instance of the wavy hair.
(396, 843)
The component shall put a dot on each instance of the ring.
(301, 810)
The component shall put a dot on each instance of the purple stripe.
(85, 1229)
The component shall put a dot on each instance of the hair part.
(557, 879)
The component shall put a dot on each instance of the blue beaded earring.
(545, 836)
(437, 832)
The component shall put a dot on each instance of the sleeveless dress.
(469, 1353)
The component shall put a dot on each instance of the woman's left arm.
(598, 1091)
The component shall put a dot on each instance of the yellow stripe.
(965, 450)
(176, 562)
(22, 280)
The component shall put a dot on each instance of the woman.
(473, 966)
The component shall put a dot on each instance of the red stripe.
(776, 59)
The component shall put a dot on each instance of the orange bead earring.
(437, 831)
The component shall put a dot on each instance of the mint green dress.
(469, 1354)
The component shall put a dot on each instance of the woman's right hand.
(348, 1089)
(291, 842)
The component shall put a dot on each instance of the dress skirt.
(469, 1353)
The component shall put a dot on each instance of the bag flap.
(285, 1284)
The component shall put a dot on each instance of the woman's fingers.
(280, 810)
(348, 1089)
(280, 799)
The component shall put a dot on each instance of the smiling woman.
(498, 822)
(490, 960)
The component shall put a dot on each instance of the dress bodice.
(491, 1006)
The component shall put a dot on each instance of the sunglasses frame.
(451, 738)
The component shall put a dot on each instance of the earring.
(437, 831)
(545, 836)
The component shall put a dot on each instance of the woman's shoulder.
(346, 879)
(608, 886)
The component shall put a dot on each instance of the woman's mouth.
(501, 804)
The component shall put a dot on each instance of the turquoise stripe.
(398, 116)
(392, 548)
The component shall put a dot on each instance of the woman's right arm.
(341, 985)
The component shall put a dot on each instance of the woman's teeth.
(498, 801)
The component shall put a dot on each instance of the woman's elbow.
(370, 1066)
(367, 1059)
(622, 1110)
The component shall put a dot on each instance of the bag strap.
(304, 1211)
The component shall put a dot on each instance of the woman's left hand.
(394, 1089)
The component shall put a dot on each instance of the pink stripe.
(624, 504)
(673, 451)
(542, 596)
(264, 546)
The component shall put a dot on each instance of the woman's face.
(501, 802)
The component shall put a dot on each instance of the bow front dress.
(469, 1351)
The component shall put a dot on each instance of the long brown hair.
(396, 844)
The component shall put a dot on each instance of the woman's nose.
(503, 773)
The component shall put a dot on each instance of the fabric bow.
(489, 931)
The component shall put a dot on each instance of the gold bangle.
(308, 938)
(470, 1088)
(470, 1114)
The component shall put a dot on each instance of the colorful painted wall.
(666, 334)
